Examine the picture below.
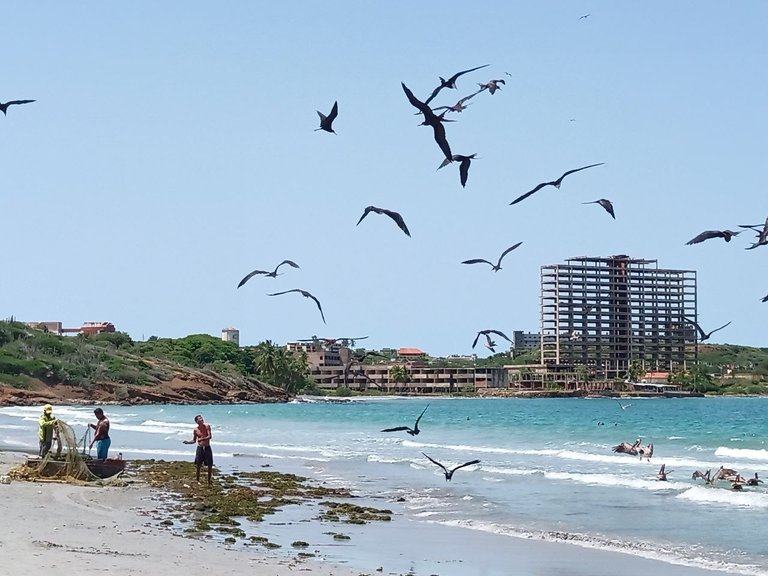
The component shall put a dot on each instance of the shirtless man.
(204, 455)
(101, 435)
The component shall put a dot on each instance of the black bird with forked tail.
(326, 122)
(431, 119)
(4, 105)
(495, 267)
(306, 295)
(412, 431)
(451, 82)
(267, 273)
(394, 215)
(449, 471)
(555, 183)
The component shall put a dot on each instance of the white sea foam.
(614, 480)
(725, 496)
(744, 453)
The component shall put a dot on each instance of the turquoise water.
(547, 469)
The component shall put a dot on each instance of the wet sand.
(89, 530)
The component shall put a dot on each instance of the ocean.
(547, 470)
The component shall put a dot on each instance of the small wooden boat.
(101, 468)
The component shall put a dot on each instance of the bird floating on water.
(555, 183)
(662, 474)
(449, 472)
(606, 204)
(412, 431)
(4, 105)
(495, 267)
(272, 274)
(707, 234)
(306, 295)
(394, 215)
(326, 122)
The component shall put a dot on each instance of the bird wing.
(455, 77)
(420, 415)
(477, 261)
(507, 251)
(463, 465)
(440, 138)
(421, 106)
(706, 235)
(436, 462)
(18, 102)
(698, 328)
(334, 112)
(764, 299)
(607, 206)
(308, 295)
(500, 334)
(289, 262)
(445, 163)
(464, 171)
(478, 337)
(396, 429)
(721, 327)
(251, 275)
(323, 117)
(524, 196)
(578, 170)
(489, 343)
(398, 219)
(366, 212)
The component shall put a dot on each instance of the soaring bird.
(555, 183)
(272, 274)
(606, 204)
(459, 106)
(394, 215)
(327, 121)
(491, 85)
(585, 16)
(431, 119)
(412, 431)
(449, 473)
(489, 343)
(764, 299)
(704, 335)
(495, 267)
(762, 234)
(707, 234)
(465, 161)
(4, 105)
(623, 406)
(451, 82)
(306, 295)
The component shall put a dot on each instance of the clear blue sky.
(171, 150)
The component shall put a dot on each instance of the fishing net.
(67, 463)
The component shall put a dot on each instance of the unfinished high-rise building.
(605, 313)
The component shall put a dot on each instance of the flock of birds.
(448, 472)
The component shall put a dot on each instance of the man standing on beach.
(204, 455)
(47, 424)
(101, 435)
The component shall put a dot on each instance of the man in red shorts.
(204, 455)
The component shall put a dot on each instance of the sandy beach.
(92, 530)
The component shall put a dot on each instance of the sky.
(172, 149)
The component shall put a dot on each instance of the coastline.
(90, 529)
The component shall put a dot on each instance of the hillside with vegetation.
(36, 366)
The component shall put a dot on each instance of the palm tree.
(399, 375)
(266, 356)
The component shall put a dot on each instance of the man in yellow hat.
(47, 423)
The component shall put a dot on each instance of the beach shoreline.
(87, 529)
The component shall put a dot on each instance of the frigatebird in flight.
(704, 335)
(272, 274)
(762, 234)
(306, 295)
(449, 473)
(495, 267)
(707, 234)
(4, 105)
(489, 343)
(555, 183)
(491, 85)
(764, 299)
(606, 204)
(431, 119)
(465, 161)
(327, 121)
(394, 215)
(412, 431)
(459, 106)
(451, 82)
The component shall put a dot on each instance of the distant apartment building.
(86, 328)
(327, 370)
(605, 313)
(231, 335)
(525, 340)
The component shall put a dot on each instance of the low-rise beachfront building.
(86, 328)
(525, 340)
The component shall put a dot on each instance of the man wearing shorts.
(204, 455)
